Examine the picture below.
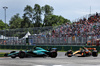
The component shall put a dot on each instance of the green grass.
(2, 54)
(10, 49)
(62, 51)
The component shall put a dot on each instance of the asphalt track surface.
(61, 60)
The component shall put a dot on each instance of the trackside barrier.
(60, 47)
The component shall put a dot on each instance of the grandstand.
(81, 32)
(86, 30)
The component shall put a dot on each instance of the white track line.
(57, 65)
(48, 65)
(39, 65)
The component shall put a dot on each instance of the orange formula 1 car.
(83, 52)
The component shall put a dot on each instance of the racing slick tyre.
(13, 56)
(94, 54)
(12, 52)
(69, 53)
(21, 54)
(53, 55)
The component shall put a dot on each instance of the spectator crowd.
(82, 31)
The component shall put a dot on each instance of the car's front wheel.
(13, 56)
(69, 53)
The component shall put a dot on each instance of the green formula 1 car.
(36, 52)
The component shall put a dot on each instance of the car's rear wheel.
(21, 54)
(53, 55)
(94, 54)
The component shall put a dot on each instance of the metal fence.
(41, 36)
(72, 40)
(18, 36)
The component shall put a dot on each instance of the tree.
(37, 15)
(15, 21)
(27, 17)
(25, 23)
(28, 11)
(54, 20)
(48, 10)
(2, 25)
